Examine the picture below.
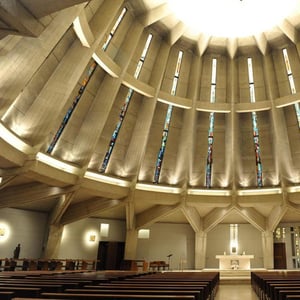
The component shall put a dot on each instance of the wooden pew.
(203, 289)
(22, 291)
(292, 297)
(177, 292)
(284, 294)
(116, 296)
(266, 284)
(6, 295)
(43, 287)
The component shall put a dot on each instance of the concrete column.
(186, 149)
(54, 240)
(232, 140)
(200, 249)
(281, 139)
(268, 249)
(131, 244)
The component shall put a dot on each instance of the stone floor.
(235, 292)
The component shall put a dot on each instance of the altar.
(234, 262)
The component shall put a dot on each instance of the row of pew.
(109, 285)
(27, 264)
(276, 284)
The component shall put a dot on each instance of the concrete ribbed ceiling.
(226, 15)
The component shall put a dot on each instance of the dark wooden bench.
(283, 294)
(22, 291)
(276, 287)
(202, 289)
(292, 297)
(6, 295)
(115, 296)
(204, 285)
(195, 293)
(266, 284)
(43, 287)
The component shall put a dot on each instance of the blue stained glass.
(72, 108)
(259, 181)
(83, 86)
(209, 160)
(163, 144)
(257, 150)
(124, 108)
(167, 122)
(210, 138)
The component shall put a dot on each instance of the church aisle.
(235, 292)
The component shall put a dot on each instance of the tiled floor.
(235, 292)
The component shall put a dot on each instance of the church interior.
(150, 131)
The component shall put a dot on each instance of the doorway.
(110, 255)
(279, 256)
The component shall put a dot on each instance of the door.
(110, 255)
(279, 256)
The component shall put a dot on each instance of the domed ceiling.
(73, 146)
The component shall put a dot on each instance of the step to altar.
(235, 276)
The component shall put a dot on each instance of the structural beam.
(24, 194)
(60, 208)
(275, 216)
(193, 217)
(89, 208)
(253, 217)
(154, 214)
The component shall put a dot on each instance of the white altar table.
(234, 261)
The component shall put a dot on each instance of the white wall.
(28, 228)
(249, 239)
(75, 241)
(165, 239)
(24, 227)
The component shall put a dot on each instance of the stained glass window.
(291, 82)
(164, 139)
(124, 108)
(209, 160)
(115, 27)
(258, 162)
(82, 87)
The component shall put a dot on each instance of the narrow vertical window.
(165, 134)
(234, 238)
(83, 85)
(255, 127)
(124, 108)
(114, 29)
(291, 82)
(209, 160)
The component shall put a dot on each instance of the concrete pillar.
(232, 136)
(131, 244)
(281, 136)
(54, 240)
(268, 249)
(200, 249)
